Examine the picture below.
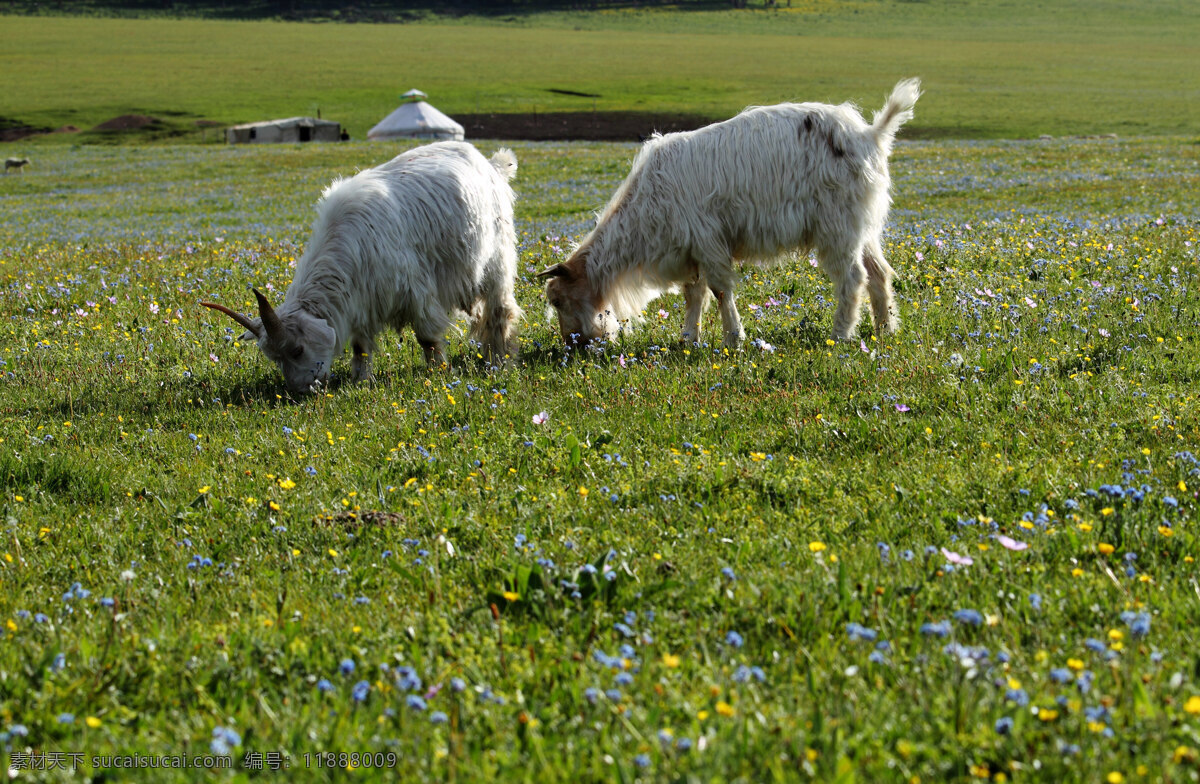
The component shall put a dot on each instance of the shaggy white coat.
(772, 180)
(417, 241)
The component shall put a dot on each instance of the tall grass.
(698, 564)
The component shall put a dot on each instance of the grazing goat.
(774, 179)
(15, 163)
(415, 241)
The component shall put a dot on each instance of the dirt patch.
(66, 129)
(128, 122)
(14, 130)
(576, 126)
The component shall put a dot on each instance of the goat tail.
(505, 162)
(897, 111)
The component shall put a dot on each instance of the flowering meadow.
(965, 552)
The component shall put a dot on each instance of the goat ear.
(557, 271)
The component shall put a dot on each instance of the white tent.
(416, 119)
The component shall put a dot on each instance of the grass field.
(963, 553)
(991, 70)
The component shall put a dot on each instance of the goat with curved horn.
(372, 263)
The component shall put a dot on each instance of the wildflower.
(438, 717)
(1035, 601)
(415, 703)
(816, 547)
(224, 740)
(541, 418)
(1192, 706)
(346, 667)
(1004, 725)
(968, 617)
(325, 686)
(956, 559)
(360, 691)
(1105, 548)
(1010, 544)
(725, 709)
(642, 760)
(939, 629)
(733, 639)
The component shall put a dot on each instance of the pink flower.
(540, 418)
(621, 359)
(901, 408)
(1009, 543)
(955, 558)
(863, 345)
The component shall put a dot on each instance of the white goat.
(415, 241)
(774, 179)
(15, 163)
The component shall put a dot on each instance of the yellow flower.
(92, 722)
(1106, 511)
(333, 552)
(512, 596)
(1105, 548)
(725, 709)
(1165, 531)
(1182, 486)
(1192, 706)
(702, 715)
(1115, 777)
(671, 660)
(11, 625)
(1046, 714)
(758, 456)
(816, 547)
(1075, 664)
(583, 491)
(286, 484)
(205, 489)
(1077, 572)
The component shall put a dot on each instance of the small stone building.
(293, 129)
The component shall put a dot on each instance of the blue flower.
(66, 718)
(1004, 725)
(415, 702)
(857, 632)
(346, 667)
(458, 684)
(224, 740)
(324, 685)
(734, 640)
(360, 691)
(1060, 675)
(437, 717)
(939, 629)
(1017, 697)
(728, 573)
(642, 760)
(968, 617)
(1035, 601)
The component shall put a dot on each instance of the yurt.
(415, 119)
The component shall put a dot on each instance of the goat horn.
(233, 314)
(271, 323)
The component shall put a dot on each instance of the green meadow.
(991, 70)
(964, 552)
